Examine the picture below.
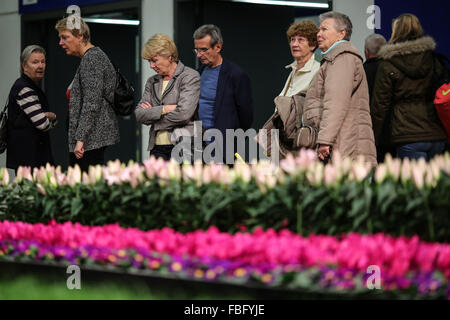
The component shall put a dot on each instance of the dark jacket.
(183, 90)
(403, 88)
(91, 116)
(234, 103)
(26, 144)
(370, 67)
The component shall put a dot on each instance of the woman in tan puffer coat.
(337, 102)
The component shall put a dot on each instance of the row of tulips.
(302, 195)
(267, 175)
(283, 259)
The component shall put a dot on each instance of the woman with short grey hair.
(337, 103)
(341, 22)
(29, 118)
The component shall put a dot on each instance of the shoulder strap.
(357, 87)
(299, 111)
(289, 83)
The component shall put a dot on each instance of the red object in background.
(442, 104)
(68, 95)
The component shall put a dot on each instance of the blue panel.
(47, 5)
(433, 15)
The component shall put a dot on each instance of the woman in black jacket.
(402, 105)
(29, 119)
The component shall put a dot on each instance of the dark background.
(433, 15)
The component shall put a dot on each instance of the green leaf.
(76, 207)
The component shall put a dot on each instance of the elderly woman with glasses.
(337, 103)
(29, 118)
(302, 38)
(170, 98)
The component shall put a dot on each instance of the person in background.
(225, 93)
(372, 45)
(29, 117)
(93, 125)
(170, 97)
(337, 102)
(302, 38)
(403, 92)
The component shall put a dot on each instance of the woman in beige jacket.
(337, 103)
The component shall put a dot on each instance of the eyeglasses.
(200, 50)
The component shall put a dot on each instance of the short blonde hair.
(64, 24)
(160, 44)
(405, 28)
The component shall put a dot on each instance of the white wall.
(157, 17)
(357, 12)
(9, 52)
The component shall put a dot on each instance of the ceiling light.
(113, 21)
(287, 3)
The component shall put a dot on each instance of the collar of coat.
(178, 70)
(345, 47)
(407, 47)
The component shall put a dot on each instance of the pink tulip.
(330, 175)
(418, 177)
(4, 176)
(305, 158)
(41, 189)
(243, 171)
(380, 173)
(405, 171)
(289, 164)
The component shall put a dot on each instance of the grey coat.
(183, 90)
(91, 117)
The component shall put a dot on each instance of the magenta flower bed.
(264, 257)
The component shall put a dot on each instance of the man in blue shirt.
(225, 91)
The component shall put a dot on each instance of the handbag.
(300, 136)
(3, 128)
(288, 119)
(297, 134)
(306, 136)
(123, 103)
